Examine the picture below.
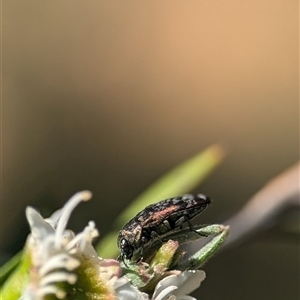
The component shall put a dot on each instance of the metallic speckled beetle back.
(157, 219)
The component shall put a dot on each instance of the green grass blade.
(15, 284)
(9, 267)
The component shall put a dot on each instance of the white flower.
(171, 287)
(178, 286)
(59, 256)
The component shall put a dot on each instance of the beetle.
(157, 219)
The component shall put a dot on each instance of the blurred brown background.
(109, 95)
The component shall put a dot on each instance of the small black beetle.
(157, 219)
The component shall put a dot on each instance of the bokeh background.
(109, 95)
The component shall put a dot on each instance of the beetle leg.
(192, 228)
(154, 235)
(123, 260)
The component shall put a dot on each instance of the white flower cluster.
(64, 264)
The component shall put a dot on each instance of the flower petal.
(66, 212)
(163, 284)
(39, 227)
(167, 291)
(185, 297)
(188, 281)
(129, 292)
(185, 283)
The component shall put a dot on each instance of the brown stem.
(264, 208)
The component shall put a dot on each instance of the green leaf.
(164, 255)
(184, 236)
(178, 181)
(198, 259)
(9, 267)
(15, 284)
